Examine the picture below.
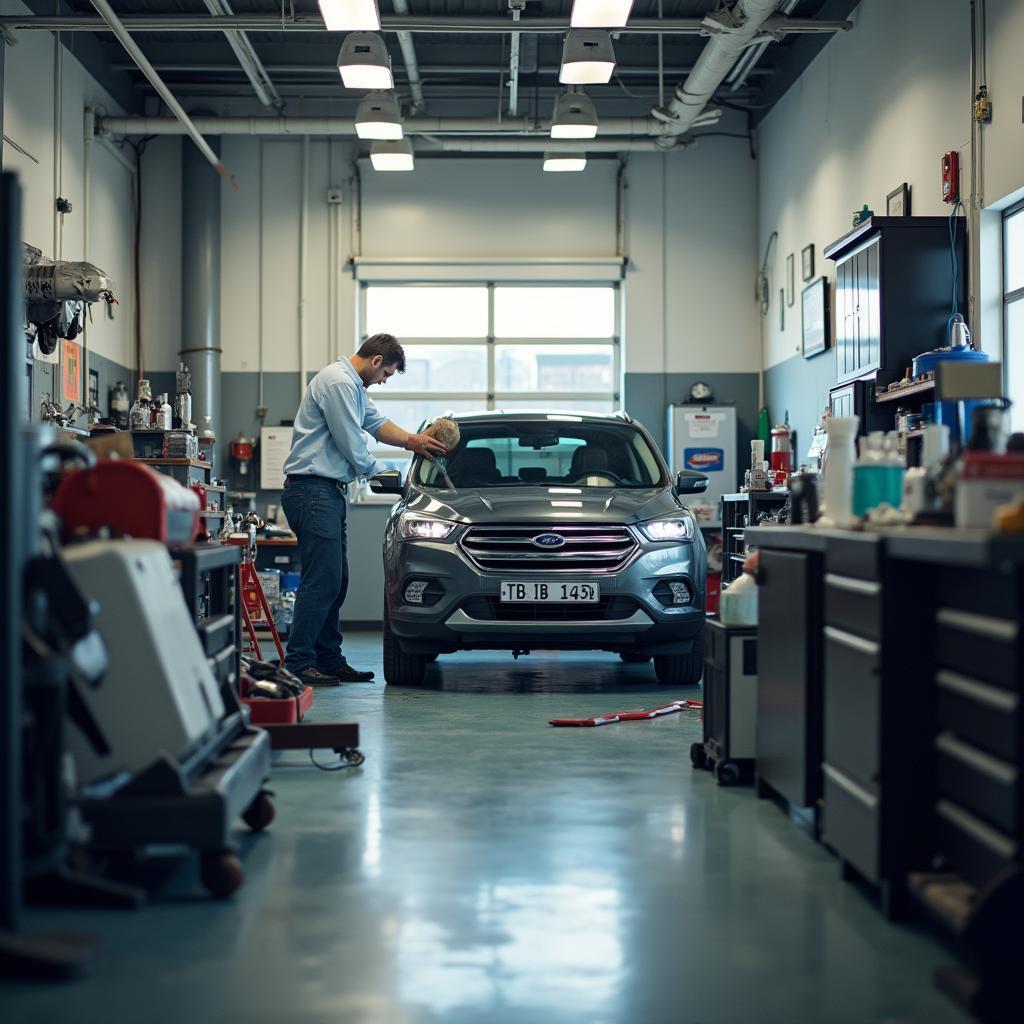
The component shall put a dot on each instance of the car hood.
(543, 504)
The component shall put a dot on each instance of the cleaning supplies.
(934, 449)
(838, 469)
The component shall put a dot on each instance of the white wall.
(879, 106)
(29, 120)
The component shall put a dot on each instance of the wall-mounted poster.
(815, 321)
(71, 371)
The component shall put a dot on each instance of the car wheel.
(681, 669)
(401, 669)
(634, 659)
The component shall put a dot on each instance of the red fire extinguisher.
(241, 450)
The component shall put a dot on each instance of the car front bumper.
(465, 616)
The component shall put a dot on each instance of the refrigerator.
(703, 438)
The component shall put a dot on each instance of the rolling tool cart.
(730, 702)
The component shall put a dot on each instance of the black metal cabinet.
(894, 286)
(789, 692)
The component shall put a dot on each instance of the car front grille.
(492, 609)
(586, 548)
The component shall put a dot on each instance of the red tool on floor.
(632, 716)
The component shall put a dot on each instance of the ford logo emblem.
(549, 540)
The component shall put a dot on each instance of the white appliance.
(703, 438)
(159, 694)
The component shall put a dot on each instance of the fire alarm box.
(951, 177)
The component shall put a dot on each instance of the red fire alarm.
(951, 177)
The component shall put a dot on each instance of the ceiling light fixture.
(392, 156)
(587, 58)
(364, 62)
(574, 117)
(600, 13)
(350, 15)
(564, 161)
(379, 117)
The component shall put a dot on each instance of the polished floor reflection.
(484, 867)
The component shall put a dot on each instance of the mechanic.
(328, 452)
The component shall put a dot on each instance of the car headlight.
(677, 530)
(424, 528)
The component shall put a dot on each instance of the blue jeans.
(316, 510)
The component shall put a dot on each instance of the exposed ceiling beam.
(248, 61)
(457, 25)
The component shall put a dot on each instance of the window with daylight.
(497, 346)
(1013, 311)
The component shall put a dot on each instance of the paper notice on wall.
(275, 443)
(706, 425)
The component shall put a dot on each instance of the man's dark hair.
(386, 346)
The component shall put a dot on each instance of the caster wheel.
(353, 758)
(697, 756)
(727, 773)
(220, 872)
(260, 813)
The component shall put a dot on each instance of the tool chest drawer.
(981, 646)
(986, 716)
(223, 665)
(851, 822)
(216, 633)
(859, 557)
(982, 784)
(852, 705)
(973, 848)
(854, 605)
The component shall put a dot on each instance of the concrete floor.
(484, 867)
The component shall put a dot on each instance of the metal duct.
(585, 146)
(733, 30)
(412, 67)
(200, 282)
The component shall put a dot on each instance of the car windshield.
(548, 452)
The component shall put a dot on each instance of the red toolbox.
(288, 711)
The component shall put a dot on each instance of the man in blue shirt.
(328, 452)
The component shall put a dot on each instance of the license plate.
(550, 593)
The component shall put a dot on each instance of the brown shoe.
(314, 677)
(347, 674)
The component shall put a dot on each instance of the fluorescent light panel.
(350, 15)
(587, 58)
(557, 162)
(392, 156)
(364, 62)
(600, 13)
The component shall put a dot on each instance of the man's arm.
(339, 408)
(422, 444)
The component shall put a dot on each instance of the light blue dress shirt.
(328, 438)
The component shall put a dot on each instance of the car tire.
(400, 668)
(634, 659)
(681, 669)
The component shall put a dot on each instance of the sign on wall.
(71, 371)
(275, 443)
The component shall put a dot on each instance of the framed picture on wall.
(897, 202)
(782, 309)
(814, 318)
(93, 395)
(807, 262)
(790, 279)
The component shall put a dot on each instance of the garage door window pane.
(410, 413)
(553, 368)
(425, 312)
(441, 368)
(1015, 362)
(555, 405)
(554, 312)
(1015, 252)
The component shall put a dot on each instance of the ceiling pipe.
(744, 67)
(733, 30)
(667, 145)
(513, 71)
(640, 127)
(454, 25)
(186, 126)
(248, 58)
(412, 67)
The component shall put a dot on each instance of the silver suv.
(560, 531)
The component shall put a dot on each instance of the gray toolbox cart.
(730, 702)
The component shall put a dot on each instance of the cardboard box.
(988, 482)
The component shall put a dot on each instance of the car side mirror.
(689, 482)
(388, 482)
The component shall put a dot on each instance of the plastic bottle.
(869, 475)
(141, 416)
(915, 481)
(120, 405)
(895, 469)
(838, 468)
(163, 414)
